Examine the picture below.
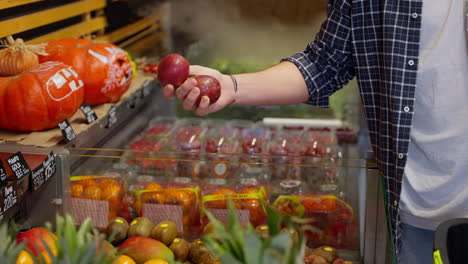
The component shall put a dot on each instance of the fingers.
(185, 88)
(204, 107)
(168, 91)
(189, 101)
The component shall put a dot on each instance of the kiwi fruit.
(117, 230)
(314, 259)
(209, 229)
(207, 258)
(328, 253)
(197, 249)
(180, 248)
(140, 226)
(165, 232)
(263, 231)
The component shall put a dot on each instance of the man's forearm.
(282, 84)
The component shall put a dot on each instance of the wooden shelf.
(127, 31)
(74, 31)
(41, 18)
(4, 4)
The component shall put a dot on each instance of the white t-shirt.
(435, 184)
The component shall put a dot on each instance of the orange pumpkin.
(105, 68)
(41, 98)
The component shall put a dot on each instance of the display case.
(180, 184)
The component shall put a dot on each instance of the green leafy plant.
(9, 250)
(84, 245)
(234, 244)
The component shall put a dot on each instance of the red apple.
(173, 69)
(208, 86)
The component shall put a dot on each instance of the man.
(410, 60)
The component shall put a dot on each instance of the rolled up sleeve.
(327, 64)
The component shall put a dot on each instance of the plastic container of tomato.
(321, 151)
(285, 149)
(221, 148)
(246, 200)
(331, 220)
(99, 197)
(186, 143)
(144, 151)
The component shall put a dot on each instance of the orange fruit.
(110, 191)
(88, 182)
(124, 260)
(24, 258)
(77, 190)
(153, 197)
(222, 203)
(92, 192)
(185, 198)
(153, 186)
(108, 182)
(156, 261)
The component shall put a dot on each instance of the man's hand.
(188, 92)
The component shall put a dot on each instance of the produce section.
(86, 134)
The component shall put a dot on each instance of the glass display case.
(176, 169)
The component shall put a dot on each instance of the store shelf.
(12, 3)
(41, 18)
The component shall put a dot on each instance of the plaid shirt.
(378, 42)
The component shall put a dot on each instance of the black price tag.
(18, 165)
(89, 113)
(8, 198)
(67, 131)
(43, 172)
(111, 117)
(3, 175)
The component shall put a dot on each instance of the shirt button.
(401, 155)
(406, 109)
(414, 15)
(395, 203)
(411, 62)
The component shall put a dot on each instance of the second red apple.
(208, 86)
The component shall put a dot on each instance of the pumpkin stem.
(10, 40)
(19, 45)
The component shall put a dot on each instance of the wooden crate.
(39, 21)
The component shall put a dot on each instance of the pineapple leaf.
(252, 248)
(229, 259)
(235, 245)
(274, 219)
(9, 250)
